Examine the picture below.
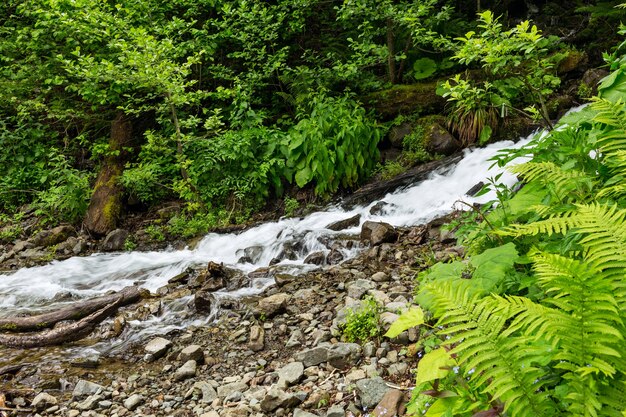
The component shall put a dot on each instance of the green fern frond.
(559, 224)
(552, 176)
(505, 365)
(613, 115)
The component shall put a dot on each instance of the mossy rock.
(406, 99)
(573, 61)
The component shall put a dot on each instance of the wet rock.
(345, 224)
(312, 357)
(134, 401)
(378, 208)
(284, 279)
(84, 388)
(371, 391)
(53, 236)
(43, 400)
(188, 370)
(115, 240)
(253, 253)
(272, 305)
(376, 233)
(390, 405)
(277, 398)
(315, 258)
(344, 355)
(203, 301)
(257, 338)
(291, 373)
(438, 141)
(156, 348)
(334, 257)
(191, 352)
(475, 189)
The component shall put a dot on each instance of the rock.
(22, 245)
(291, 373)
(34, 255)
(225, 390)
(301, 413)
(574, 60)
(272, 305)
(114, 241)
(133, 401)
(253, 253)
(378, 208)
(406, 99)
(438, 141)
(336, 411)
(43, 400)
(390, 405)
(315, 258)
(277, 398)
(295, 339)
(334, 257)
(53, 236)
(257, 338)
(211, 413)
(398, 133)
(284, 279)
(345, 224)
(208, 392)
(359, 287)
(371, 391)
(446, 236)
(84, 388)
(191, 352)
(380, 277)
(188, 370)
(312, 357)
(377, 233)
(343, 355)
(156, 348)
(203, 301)
(90, 403)
(475, 189)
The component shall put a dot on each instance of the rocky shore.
(280, 354)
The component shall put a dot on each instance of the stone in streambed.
(345, 224)
(391, 404)
(291, 373)
(188, 370)
(272, 305)
(133, 401)
(191, 352)
(277, 398)
(316, 258)
(376, 233)
(371, 391)
(156, 348)
(312, 357)
(43, 400)
(84, 388)
(115, 240)
(344, 355)
(203, 301)
(257, 338)
(208, 392)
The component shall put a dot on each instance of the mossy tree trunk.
(106, 202)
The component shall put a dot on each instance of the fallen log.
(63, 334)
(75, 311)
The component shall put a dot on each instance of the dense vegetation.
(224, 104)
(532, 322)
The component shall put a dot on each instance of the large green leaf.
(434, 365)
(424, 68)
(411, 318)
(493, 265)
(303, 176)
(613, 87)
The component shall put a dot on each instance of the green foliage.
(542, 333)
(424, 68)
(291, 206)
(362, 324)
(334, 144)
(155, 233)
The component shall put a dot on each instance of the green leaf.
(411, 318)
(492, 266)
(303, 176)
(424, 68)
(434, 365)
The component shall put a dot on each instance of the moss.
(8, 326)
(418, 98)
(111, 210)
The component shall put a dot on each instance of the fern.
(562, 182)
(504, 365)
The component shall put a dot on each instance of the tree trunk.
(391, 60)
(63, 334)
(106, 202)
(75, 311)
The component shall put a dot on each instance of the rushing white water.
(30, 288)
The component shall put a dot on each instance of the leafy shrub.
(362, 324)
(195, 225)
(291, 205)
(334, 144)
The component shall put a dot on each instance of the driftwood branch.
(67, 333)
(75, 311)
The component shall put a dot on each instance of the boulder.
(204, 301)
(398, 133)
(156, 348)
(371, 391)
(43, 400)
(85, 388)
(208, 392)
(391, 405)
(114, 241)
(438, 141)
(315, 258)
(334, 257)
(191, 352)
(378, 208)
(188, 370)
(53, 236)
(291, 373)
(312, 357)
(272, 305)
(377, 233)
(345, 224)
